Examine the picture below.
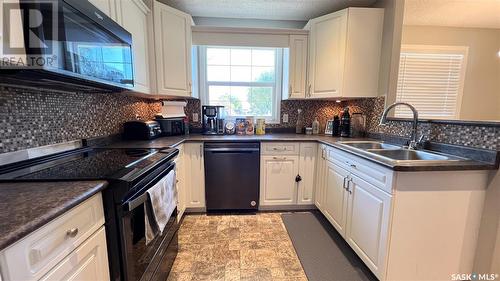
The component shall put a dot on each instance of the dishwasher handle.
(232, 150)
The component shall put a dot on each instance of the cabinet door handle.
(345, 179)
(201, 151)
(298, 178)
(279, 158)
(348, 186)
(290, 89)
(309, 91)
(350, 164)
(72, 232)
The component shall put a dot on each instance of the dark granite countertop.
(26, 206)
(414, 166)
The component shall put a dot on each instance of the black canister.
(336, 126)
(345, 123)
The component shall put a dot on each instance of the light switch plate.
(195, 117)
(285, 118)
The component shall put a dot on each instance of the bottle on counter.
(315, 126)
(345, 123)
(336, 126)
(249, 126)
(300, 122)
(260, 129)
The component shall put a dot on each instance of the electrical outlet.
(195, 117)
(285, 118)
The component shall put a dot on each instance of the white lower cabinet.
(88, 262)
(368, 222)
(319, 187)
(307, 170)
(277, 180)
(180, 184)
(335, 197)
(358, 210)
(403, 225)
(71, 247)
(195, 179)
(287, 174)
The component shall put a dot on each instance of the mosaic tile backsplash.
(36, 118)
(487, 137)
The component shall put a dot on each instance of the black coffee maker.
(212, 121)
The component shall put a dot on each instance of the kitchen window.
(245, 80)
(431, 78)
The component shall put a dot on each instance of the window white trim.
(435, 49)
(277, 84)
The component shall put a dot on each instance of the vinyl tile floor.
(253, 247)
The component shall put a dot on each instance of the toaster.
(141, 130)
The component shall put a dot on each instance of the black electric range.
(130, 173)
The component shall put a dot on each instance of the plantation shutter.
(432, 81)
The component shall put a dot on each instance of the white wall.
(391, 45)
(488, 249)
(481, 94)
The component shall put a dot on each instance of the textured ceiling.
(298, 10)
(458, 13)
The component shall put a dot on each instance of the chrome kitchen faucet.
(413, 143)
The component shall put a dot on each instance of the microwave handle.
(138, 200)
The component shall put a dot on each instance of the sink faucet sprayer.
(413, 143)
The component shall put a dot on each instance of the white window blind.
(431, 79)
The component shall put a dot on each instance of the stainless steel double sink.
(397, 153)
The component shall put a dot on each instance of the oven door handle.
(139, 199)
(232, 150)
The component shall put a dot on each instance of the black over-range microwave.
(64, 44)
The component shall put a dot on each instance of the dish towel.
(161, 203)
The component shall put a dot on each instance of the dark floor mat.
(324, 254)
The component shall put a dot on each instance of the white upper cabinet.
(133, 16)
(134, 19)
(344, 53)
(297, 67)
(172, 51)
(108, 7)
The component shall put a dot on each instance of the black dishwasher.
(232, 176)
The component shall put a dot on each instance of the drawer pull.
(72, 232)
(353, 165)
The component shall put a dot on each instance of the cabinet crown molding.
(249, 30)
